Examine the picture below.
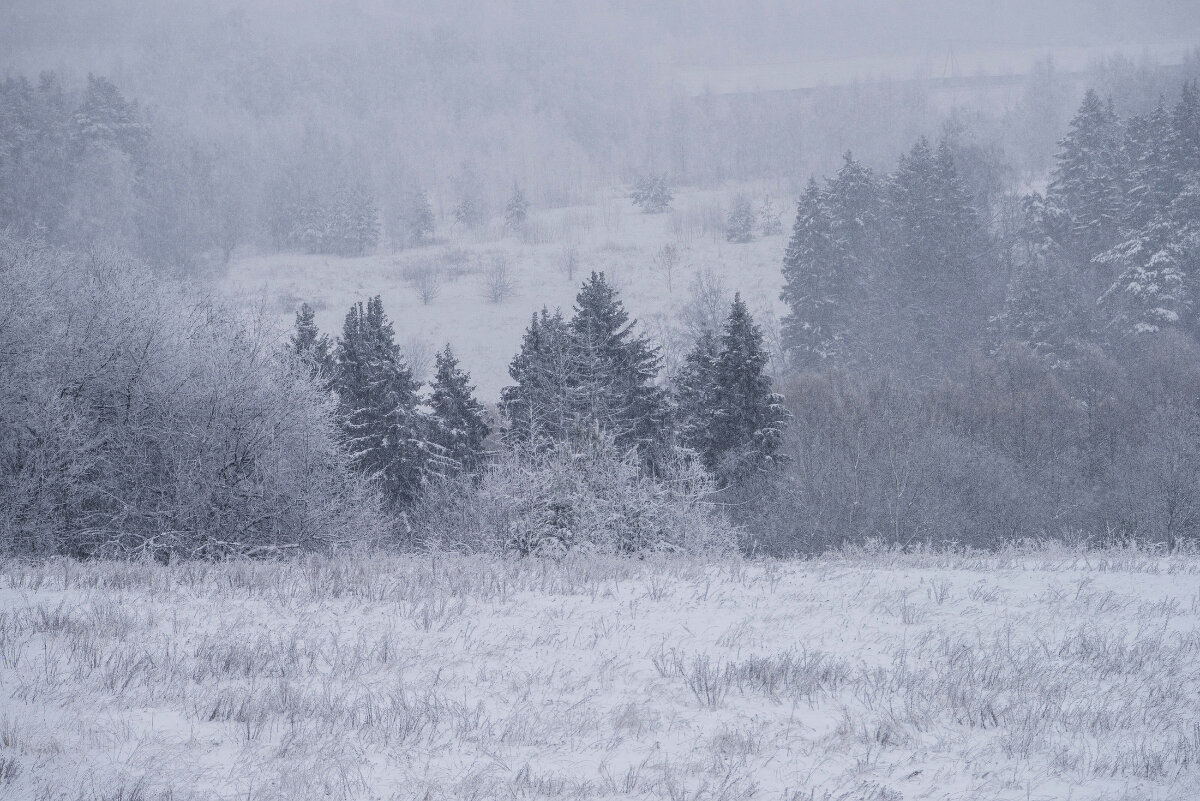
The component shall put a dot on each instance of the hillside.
(868, 676)
(611, 236)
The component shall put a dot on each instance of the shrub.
(136, 417)
(571, 496)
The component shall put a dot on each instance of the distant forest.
(993, 337)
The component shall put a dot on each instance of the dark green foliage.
(536, 406)
(459, 420)
(748, 418)
(591, 374)
(694, 394)
(726, 410)
(377, 398)
(614, 370)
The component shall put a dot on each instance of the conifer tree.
(536, 405)
(815, 284)
(747, 419)
(309, 344)
(855, 201)
(768, 218)
(1185, 131)
(652, 194)
(1088, 179)
(378, 400)
(516, 211)
(694, 390)
(460, 421)
(614, 371)
(417, 218)
(739, 225)
(1153, 174)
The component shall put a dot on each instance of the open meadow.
(1037, 673)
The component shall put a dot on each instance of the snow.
(612, 237)
(1024, 675)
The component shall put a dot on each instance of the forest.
(964, 363)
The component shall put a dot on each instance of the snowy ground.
(1046, 674)
(610, 236)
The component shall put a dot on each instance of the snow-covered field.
(610, 235)
(866, 676)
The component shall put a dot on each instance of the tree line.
(976, 365)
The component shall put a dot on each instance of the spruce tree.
(1088, 180)
(652, 194)
(309, 344)
(536, 405)
(1185, 131)
(1153, 176)
(381, 425)
(747, 419)
(613, 375)
(694, 390)
(854, 200)
(460, 421)
(739, 225)
(815, 284)
(516, 211)
(417, 218)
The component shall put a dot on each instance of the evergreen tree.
(612, 383)
(747, 419)
(652, 194)
(1185, 131)
(1088, 180)
(536, 406)
(815, 284)
(361, 233)
(1153, 176)
(739, 225)
(936, 240)
(516, 211)
(106, 118)
(460, 421)
(378, 400)
(309, 344)
(417, 218)
(768, 218)
(855, 201)
(694, 390)
(467, 212)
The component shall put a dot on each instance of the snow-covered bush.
(570, 496)
(136, 416)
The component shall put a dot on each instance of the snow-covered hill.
(611, 236)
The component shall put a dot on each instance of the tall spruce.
(535, 407)
(815, 285)
(460, 421)
(381, 425)
(1088, 181)
(747, 419)
(612, 383)
(694, 390)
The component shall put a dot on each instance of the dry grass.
(1033, 673)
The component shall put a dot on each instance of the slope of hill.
(610, 236)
